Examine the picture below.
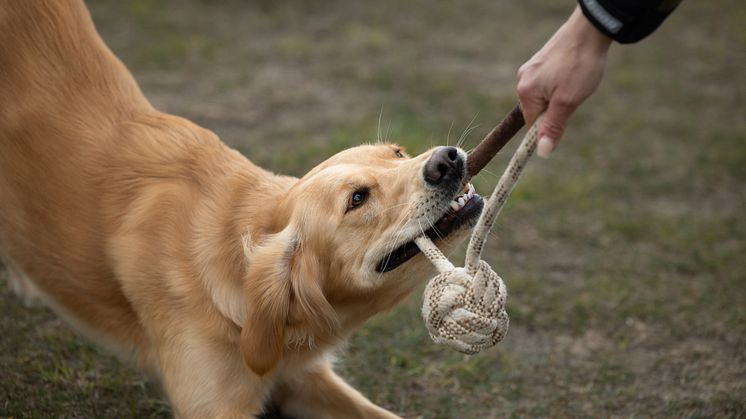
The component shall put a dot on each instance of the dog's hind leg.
(21, 284)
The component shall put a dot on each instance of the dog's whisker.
(421, 229)
(391, 248)
(432, 225)
(467, 130)
(398, 174)
(448, 135)
(465, 134)
(392, 207)
(380, 115)
(397, 237)
(399, 224)
(490, 173)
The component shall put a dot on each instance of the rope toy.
(464, 308)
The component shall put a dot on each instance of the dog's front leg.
(320, 393)
(205, 377)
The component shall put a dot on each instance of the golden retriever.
(230, 284)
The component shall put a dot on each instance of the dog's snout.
(445, 163)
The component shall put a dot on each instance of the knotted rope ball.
(464, 308)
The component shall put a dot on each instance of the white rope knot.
(464, 308)
(464, 312)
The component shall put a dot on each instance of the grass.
(623, 253)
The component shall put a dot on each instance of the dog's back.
(81, 148)
(62, 96)
(89, 169)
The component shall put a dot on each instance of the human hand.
(560, 76)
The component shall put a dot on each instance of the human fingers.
(529, 95)
(554, 123)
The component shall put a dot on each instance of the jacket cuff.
(627, 21)
(604, 21)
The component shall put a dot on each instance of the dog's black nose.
(446, 163)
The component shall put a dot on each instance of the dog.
(231, 285)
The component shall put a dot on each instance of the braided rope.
(464, 308)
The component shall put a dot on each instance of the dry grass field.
(624, 254)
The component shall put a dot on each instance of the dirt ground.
(624, 253)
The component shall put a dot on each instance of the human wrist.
(580, 28)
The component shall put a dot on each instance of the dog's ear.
(309, 307)
(283, 286)
(268, 303)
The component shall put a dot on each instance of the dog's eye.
(399, 153)
(357, 198)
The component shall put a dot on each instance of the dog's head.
(344, 246)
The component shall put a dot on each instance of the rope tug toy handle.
(464, 308)
(500, 196)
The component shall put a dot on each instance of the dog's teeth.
(461, 202)
(454, 206)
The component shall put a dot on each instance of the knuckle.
(524, 87)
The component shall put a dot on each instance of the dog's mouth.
(464, 208)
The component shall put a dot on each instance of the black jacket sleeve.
(627, 21)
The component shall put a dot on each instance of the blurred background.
(624, 254)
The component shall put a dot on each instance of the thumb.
(553, 125)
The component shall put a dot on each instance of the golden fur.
(157, 240)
